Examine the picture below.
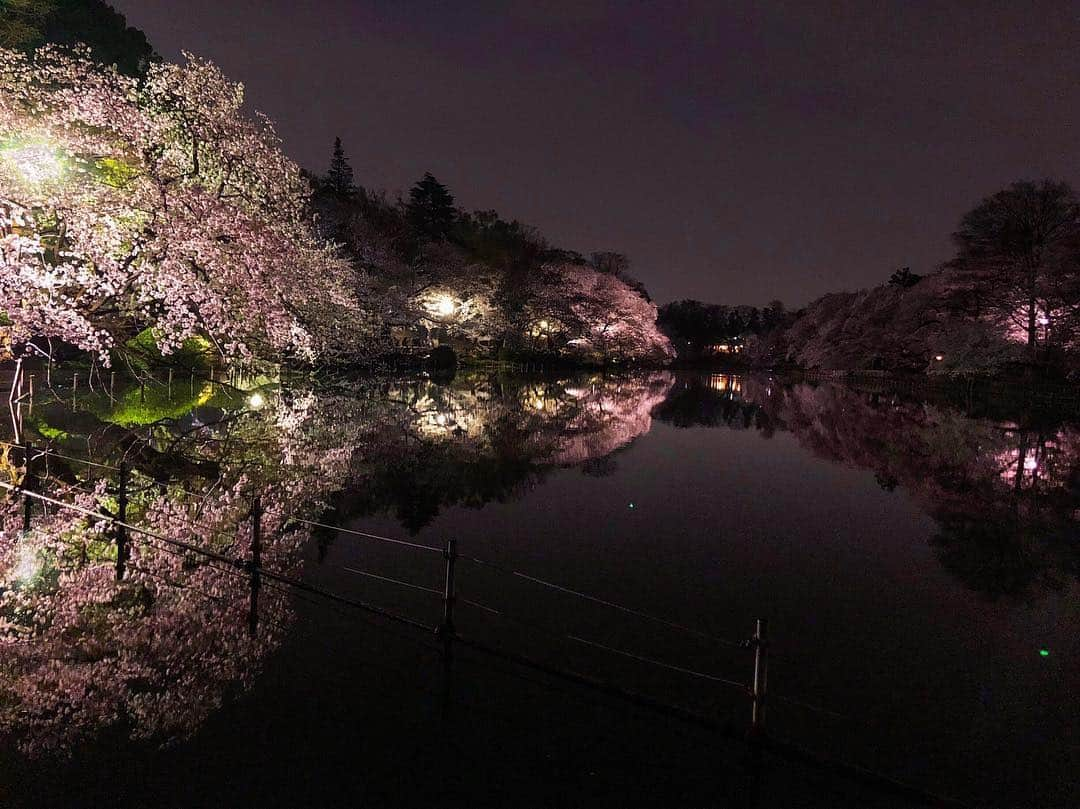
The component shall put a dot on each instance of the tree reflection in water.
(156, 653)
(1003, 487)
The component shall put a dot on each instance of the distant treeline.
(357, 217)
(693, 326)
(481, 284)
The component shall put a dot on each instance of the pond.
(915, 556)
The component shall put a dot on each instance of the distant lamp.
(939, 357)
(256, 401)
(36, 162)
(1044, 320)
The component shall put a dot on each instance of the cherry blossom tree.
(129, 204)
(596, 315)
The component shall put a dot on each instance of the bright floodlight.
(256, 401)
(36, 162)
(445, 305)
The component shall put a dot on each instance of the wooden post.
(27, 503)
(761, 672)
(449, 597)
(112, 386)
(192, 383)
(256, 561)
(74, 389)
(170, 384)
(31, 394)
(121, 517)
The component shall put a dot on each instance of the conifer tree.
(430, 209)
(340, 176)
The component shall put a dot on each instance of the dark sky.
(736, 152)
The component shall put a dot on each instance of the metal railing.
(447, 630)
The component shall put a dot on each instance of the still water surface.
(916, 561)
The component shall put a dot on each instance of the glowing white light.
(1044, 320)
(256, 401)
(939, 357)
(36, 162)
(445, 305)
(27, 565)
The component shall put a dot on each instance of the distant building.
(732, 346)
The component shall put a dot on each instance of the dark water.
(916, 559)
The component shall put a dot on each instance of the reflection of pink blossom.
(610, 417)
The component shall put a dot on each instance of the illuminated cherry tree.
(126, 205)
(595, 316)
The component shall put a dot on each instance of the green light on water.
(1044, 652)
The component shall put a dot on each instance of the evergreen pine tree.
(430, 209)
(340, 176)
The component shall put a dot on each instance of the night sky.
(781, 150)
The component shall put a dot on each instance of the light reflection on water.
(484, 454)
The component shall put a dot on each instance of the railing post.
(449, 597)
(27, 503)
(761, 673)
(121, 517)
(256, 562)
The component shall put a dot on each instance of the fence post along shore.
(28, 454)
(254, 565)
(446, 628)
(121, 517)
(761, 671)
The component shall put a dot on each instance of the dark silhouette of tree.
(1015, 252)
(904, 278)
(430, 210)
(28, 24)
(612, 263)
(617, 264)
(340, 176)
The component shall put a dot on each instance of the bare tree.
(1015, 253)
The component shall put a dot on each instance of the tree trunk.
(1032, 324)
(1032, 330)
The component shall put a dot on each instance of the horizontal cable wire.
(612, 649)
(43, 451)
(806, 705)
(410, 585)
(113, 521)
(629, 610)
(368, 536)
